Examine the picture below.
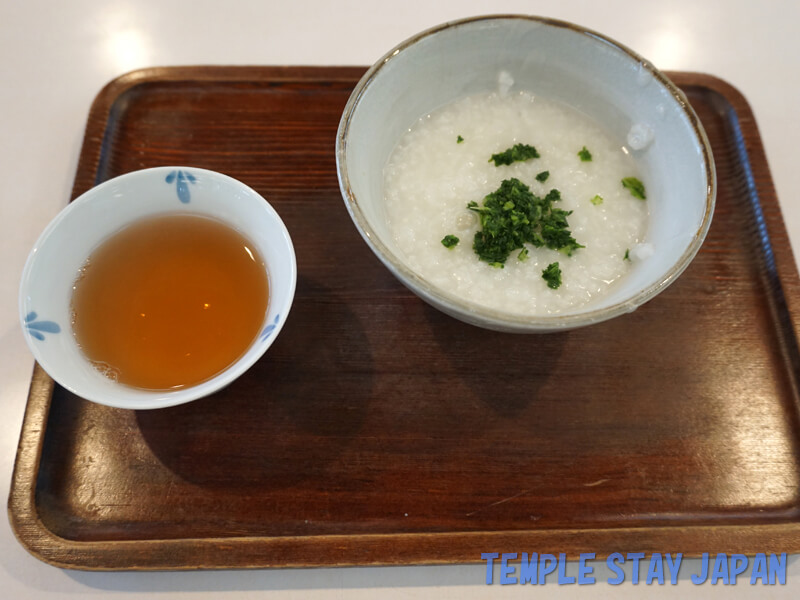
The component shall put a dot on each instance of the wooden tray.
(379, 431)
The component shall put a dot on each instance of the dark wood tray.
(379, 431)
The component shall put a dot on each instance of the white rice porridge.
(430, 178)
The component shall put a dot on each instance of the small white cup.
(62, 249)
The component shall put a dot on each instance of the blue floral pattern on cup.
(37, 329)
(182, 180)
(270, 328)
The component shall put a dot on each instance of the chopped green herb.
(598, 199)
(449, 241)
(459, 139)
(585, 155)
(627, 254)
(519, 152)
(543, 176)
(552, 275)
(523, 254)
(513, 216)
(635, 187)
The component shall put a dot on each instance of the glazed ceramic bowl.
(635, 103)
(62, 249)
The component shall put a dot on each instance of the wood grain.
(379, 431)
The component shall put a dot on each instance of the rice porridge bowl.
(445, 161)
(524, 174)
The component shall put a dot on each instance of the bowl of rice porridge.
(524, 174)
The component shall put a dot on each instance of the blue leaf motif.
(37, 329)
(182, 181)
(46, 326)
(183, 188)
(270, 328)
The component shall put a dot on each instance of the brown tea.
(169, 301)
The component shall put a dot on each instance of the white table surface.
(54, 58)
